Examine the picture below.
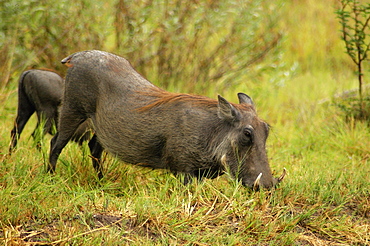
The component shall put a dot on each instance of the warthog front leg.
(68, 125)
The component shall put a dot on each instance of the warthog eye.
(247, 137)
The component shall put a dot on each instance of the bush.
(355, 21)
(192, 44)
(187, 44)
(355, 108)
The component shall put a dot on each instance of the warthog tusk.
(223, 160)
(282, 175)
(256, 183)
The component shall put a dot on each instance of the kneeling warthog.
(41, 91)
(144, 125)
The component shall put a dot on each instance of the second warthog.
(41, 91)
(144, 125)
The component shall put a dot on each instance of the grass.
(152, 207)
(324, 200)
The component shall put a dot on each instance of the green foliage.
(355, 108)
(172, 43)
(186, 43)
(355, 20)
(41, 33)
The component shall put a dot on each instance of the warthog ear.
(244, 98)
(226, 111)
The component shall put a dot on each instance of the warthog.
(144, 125)
(41, 91)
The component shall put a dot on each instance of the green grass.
(324, 199)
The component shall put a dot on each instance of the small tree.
(355, 20)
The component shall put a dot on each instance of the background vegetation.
(287, 55)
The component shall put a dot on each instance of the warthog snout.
(257, 183)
